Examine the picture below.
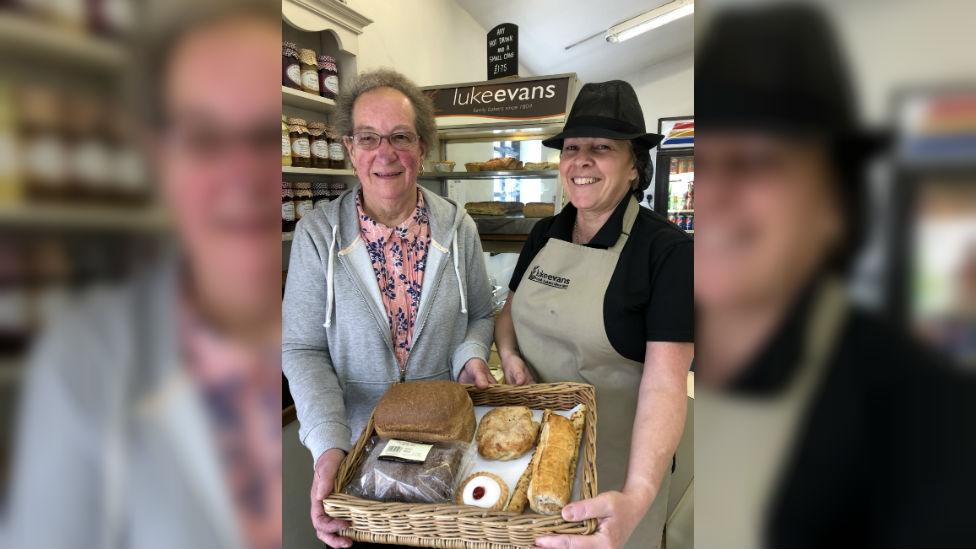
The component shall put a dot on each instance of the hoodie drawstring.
(457, 273)
(330, 289)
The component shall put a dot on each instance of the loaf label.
(401, 450)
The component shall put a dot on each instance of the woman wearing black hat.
(602, 294)
(818, 424)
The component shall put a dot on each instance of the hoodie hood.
(445, 219)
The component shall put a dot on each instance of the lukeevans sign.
(509, 100)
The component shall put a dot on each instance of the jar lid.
(289, 52)
(297, 121)
(316, 125)
(315, 132)
(307, 56)
(291, 45)
(327, 62)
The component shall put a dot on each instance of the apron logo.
(542, 277)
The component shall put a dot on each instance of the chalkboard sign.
(503, 51)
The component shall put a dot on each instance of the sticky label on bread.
(405, 451)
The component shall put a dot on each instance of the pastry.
(485, 490)
(485, 208)
(554, 466)
(425, 411)
(506, 433)
(520, 497)
(499, 164)
(539, 209)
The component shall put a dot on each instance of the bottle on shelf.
(287, 208)
(310, 71)
(285, 142)
(320, 145)
(291, 69)
(337, 152)
(304, 201)
(301, 149)
(328, 76)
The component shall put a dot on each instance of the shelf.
(25, 37)
(287, 237)
(317, 171)
(83, 217)
(681, 211)
(305, 100)
(512, 174)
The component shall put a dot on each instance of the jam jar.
(337, 152)
(328, 76)
(291, 70)
(303, 200)
(319, 140)
(300, 146)
(287, 208)
(310, 73)
(285, 142)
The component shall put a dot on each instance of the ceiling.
(546, 27)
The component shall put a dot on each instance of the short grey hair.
(423, 107)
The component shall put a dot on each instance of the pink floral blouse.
(399, 258)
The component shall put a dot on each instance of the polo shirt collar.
(606, 237)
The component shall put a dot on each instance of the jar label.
(288, 211)
(300, 148)
(8, 155)
(320, 149)
(303, 208)
(332, 83)
(310, 80)
(295, 74)
(90, 163)
(285, 146)
(336, 152)
(45, 160)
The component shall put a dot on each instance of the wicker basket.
(465, 527)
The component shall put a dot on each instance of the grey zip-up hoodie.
(337, 351)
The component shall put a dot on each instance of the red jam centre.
(479, 492)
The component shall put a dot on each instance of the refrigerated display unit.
(674, 188)
(931, 246)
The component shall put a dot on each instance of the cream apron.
(742, 443)
(558, 317)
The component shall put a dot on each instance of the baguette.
(554, 465)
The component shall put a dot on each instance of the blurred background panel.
(873, 448)
(76, 201)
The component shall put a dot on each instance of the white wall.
(902, 43)
(430, 41)
(665, 89)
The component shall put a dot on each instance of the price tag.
(403, 451)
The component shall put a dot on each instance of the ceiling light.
(653, 19)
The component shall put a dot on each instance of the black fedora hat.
(606, 109)
(779, 69)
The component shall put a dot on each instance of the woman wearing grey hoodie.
(386, 283)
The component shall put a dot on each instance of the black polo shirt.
(650, 295)
(884, 456)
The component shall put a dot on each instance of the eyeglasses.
(368, 141)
